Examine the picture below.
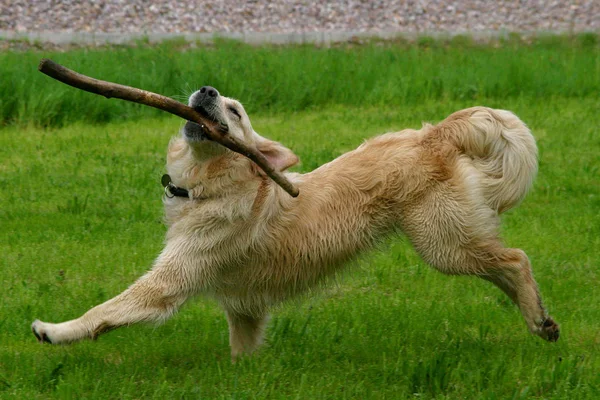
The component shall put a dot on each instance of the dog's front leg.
(152, 298)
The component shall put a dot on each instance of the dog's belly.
(296, 259)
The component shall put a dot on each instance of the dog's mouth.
(207, 102)
(204, 112)
(193, 130)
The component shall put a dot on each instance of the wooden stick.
(215, 131)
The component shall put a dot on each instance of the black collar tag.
(171, 190)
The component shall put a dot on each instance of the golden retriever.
(236, 236)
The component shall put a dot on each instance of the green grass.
(302, 77)
(81, 212)
(81, 219)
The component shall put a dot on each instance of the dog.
(236, 236)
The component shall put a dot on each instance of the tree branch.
(213, 130)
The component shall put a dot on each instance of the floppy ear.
(278, 155)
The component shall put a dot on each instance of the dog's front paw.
(40, 330)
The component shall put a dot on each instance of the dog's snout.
(204, 98)
(209, 91)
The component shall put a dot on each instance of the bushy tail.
(502, 148)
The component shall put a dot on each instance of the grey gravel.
(287, 16)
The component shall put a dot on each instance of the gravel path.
(286, 16)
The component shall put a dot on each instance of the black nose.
(205, 98)
(209, 91)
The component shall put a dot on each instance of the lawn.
(81, 218)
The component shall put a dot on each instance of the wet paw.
(40, 333)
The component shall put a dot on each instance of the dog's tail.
(502, 148)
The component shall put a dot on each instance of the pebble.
(289, 16)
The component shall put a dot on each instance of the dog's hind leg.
(511, 272)
(459, 236)
(246, 332)
(509, 269)
(152, 298)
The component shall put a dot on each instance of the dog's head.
(208, 155)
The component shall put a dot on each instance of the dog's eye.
(235, 112)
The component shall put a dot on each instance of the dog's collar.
(171, 190)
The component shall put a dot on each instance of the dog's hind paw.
(549, 330)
